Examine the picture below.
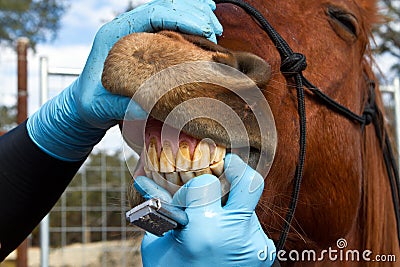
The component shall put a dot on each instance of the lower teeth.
(172, 172)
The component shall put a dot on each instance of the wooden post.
(22, 48)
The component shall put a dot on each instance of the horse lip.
(194, 130)
(249, 154)
(207, 128)
(249, 150)
(245, 150)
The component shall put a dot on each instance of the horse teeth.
(159, 179)
(167, 159)
(174, 182)
(217, 168)
(186, 176)
(173, 177)
(168, 181)
(148, 172)
(218, 154)
(183, 161)
(203, 171)
(170, 172)
(153, 164)
(201, 156)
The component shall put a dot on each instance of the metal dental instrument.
(157, 217)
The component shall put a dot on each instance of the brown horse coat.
(345, 192)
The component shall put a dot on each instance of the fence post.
(22, 48)
(45, 224)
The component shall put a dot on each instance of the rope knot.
(293, 64)
(368, 115)
(370, 111)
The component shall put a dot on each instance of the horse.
(345, 192)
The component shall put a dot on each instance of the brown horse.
(345, 192)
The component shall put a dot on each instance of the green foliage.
(8, 118)
(38, 20)
(388, 35)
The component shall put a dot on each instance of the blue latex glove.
(215, 235)
(187, 16)
(68, 126)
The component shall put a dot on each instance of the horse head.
(344, 191)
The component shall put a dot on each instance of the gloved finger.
(216, 25)
(212, 21)
(213, 38)
(149, 189)
(158, 251)
(188, 23)
(211, 4)
(117, 108)
(133, 111)
(109, 107)
(202, 191)
(148, 238)
(246, 184)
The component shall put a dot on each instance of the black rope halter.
(292, 66)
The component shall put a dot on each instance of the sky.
(71, 48)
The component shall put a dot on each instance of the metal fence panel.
(391, 98)
(87, 226)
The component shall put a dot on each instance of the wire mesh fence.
(87, 226)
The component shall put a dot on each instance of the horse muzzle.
(203, 100)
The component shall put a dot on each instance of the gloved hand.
(193, 17)
(215, 235)
(68, 126)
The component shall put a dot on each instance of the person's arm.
(39, 158)
(31, 182)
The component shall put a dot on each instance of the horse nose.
(254, 67)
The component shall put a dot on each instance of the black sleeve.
(31, 182)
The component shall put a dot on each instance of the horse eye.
(344, 19)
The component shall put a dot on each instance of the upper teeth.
(183, 160)
(167, 159)
(201, 156)
(170, 172)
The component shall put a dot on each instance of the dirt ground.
(110, 253)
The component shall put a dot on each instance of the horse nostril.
(254, 67)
